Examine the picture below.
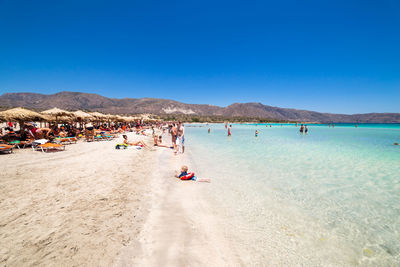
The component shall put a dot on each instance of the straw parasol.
(21, 115)
(57, 113)
(2, 118)
(128, 119)
(99, 116)
(119, 118)
(82, 115)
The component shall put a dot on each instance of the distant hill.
(95, 102)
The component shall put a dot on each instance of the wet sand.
(181, 228)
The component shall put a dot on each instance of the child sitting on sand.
(185, 175)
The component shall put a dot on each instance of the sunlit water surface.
(334, 192)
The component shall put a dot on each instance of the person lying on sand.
(158, 142)
(183, 174)
(138, 143)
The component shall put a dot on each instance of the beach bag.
(118, 146)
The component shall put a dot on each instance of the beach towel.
(40, 141)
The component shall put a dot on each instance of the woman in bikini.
(138, 143)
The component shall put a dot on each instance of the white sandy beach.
(92, 205)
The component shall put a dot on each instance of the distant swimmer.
(356, 126)
(256, 134)
(229, 130)
(209, 130)
(301, 128)
(396, 144)
(305, 129)
(270, 125)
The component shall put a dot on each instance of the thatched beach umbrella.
(119, 118)
(21, 115)
(57, 113)
(99, 116)
(2, 118)
(128, 119)
(82, 115)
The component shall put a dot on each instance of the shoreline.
(181, 229)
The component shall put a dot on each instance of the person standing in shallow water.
(305, 129)
(209, 130)
(229, 130)
(301, 128)
(256, 134)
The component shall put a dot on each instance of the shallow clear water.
(334, 189)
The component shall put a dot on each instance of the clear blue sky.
(331, 56)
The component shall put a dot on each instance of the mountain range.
(95, 102)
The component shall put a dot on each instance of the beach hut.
(21, 115)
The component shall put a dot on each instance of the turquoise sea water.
(332, 194)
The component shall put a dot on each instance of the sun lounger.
(50, 147)
(66, 140)
(15, 143)
(6, 148)
(38, 142)
(20, 144)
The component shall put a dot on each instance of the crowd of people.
(303, 129)
(30, 132)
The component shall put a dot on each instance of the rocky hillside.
(94, 102)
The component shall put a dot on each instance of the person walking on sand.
(181, 136)
(229, 130)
